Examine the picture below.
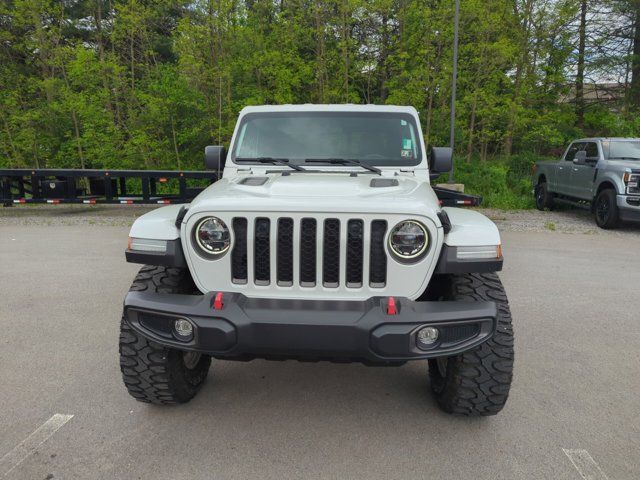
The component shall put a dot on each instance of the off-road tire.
(153, 373)
(544, 198)
(476, 383)
(605, 210)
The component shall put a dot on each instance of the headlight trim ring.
(415, 256)
(201, 248)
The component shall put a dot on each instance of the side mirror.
(214, 157)
(580, 158)
(441, 159)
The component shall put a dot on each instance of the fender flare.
(469, 229)
(159, 224)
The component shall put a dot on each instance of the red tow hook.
(391, 306)
(217, 302)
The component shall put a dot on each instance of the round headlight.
(409, 239)
(212, 236)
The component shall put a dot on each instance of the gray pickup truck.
(602, 174)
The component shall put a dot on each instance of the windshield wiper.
(272, 161)
(624, 158)
(345, 161)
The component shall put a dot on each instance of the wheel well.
(542, 178)
(603, 186)
(438, 287)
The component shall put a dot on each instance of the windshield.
(621, 149)
(374, 138)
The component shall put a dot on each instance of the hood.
(622, 165)
(319, 192)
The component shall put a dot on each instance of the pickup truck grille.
(302, 246)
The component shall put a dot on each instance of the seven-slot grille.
(337, 247)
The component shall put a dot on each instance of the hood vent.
(254, 181)
(383, 182)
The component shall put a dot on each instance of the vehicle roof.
(347, 107)
(593, 139)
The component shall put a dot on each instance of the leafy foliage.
(140, 84)
(504, 182)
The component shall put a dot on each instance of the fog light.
(183, 328)
(426, 337)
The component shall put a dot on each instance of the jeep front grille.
(239, 253)
(331, 253)
(308, 252)
(262, 268)
(285, 252)
(355, 250)
(377, 257)
(299, 243)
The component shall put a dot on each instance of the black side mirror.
(214, 157)
(580, 158)
(441, 159)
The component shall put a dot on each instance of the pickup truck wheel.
(606, 209)
(477, 382)
(151, 372)
(544, 198)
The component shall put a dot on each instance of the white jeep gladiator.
(323, 240)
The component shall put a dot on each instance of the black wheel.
(606, 209)
(544, 198)
(477, 382)
(151, 372)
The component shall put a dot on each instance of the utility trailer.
(452, 198)
(63, 186)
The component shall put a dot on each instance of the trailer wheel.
(476, 383)
(153, 373)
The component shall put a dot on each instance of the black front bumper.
(246, 328)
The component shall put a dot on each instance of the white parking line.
(16, 456)
(586, 466)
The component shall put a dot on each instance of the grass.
(550, 226)
(504, 183)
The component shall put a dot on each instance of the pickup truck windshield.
(372, 138)
(621, 149)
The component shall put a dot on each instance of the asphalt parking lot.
(575, 301)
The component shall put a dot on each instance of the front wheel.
(477, 382)
(606, 210)
(544, 198)
(153, 373)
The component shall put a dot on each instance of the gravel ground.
(70, 215)
(563, 221)
(573, 221)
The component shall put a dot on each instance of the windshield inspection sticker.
(406, 153)
(406, 144)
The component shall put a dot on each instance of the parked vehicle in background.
(602, 174)
(323, 240)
